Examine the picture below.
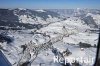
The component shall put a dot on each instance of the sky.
(50, 4)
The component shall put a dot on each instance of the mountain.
(26, 18)
(49, 37)
(21, 17)
(83, 14)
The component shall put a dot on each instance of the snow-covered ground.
(36, 47)
(96, 17)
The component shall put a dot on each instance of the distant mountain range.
(28, 18)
